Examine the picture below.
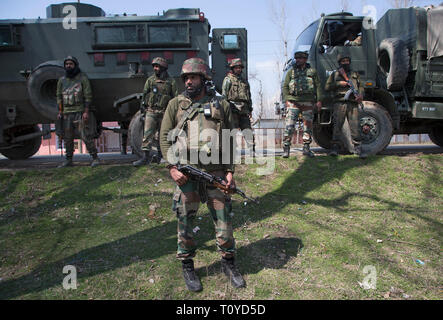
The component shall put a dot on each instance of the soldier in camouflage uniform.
(74, 97)
(353, 40)
(301, 92)
(237, 91)
(345, 108)
(158, 90)
(197, 109)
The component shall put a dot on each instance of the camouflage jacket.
(332, 84)
(302, 85)
(180, 108)
(72, 93)
(157, 93)
(235, 89)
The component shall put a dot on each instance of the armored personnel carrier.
(114, 51)
(400, 62)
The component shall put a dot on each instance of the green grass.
(319, 223)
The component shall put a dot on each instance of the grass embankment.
(320, 222)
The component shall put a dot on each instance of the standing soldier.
(237, 91)
(158, 90)
(74, 97)
(345, 108)
(301, 90)
(197, 110)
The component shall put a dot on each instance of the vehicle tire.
(42, 88)
(29, 148)
(376, 128)
(393, 60)
(322, 135)
(436, 135)
(135, 134)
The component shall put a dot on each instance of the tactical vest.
(72, 92)
(202, 125)
(302, 82)
(341, 91)
(159, 95)
(239, 91)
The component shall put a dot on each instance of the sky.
(264, 44)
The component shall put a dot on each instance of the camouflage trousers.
(349, 110)
(242, 122)
(151, 127)
(73, 125)
(186, 204)
(292, 115)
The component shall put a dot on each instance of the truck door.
(227, 44)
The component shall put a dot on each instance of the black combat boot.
(145, 159)
(231, 271)
(334, 150)
(95, 161)
(307, 151)
(358, 150)
(286, 151)
(191, 279)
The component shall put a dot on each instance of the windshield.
(306, 38)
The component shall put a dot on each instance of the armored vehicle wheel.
(393, 60)
(28, 148)
(376, 128)
(436, 135)
(322, 135)
(42, 88)
(135, 134)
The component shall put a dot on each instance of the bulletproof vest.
(195, 119)
(72, 91)
(239, 91)
(302, 82)
(159, 95)
(341, 91)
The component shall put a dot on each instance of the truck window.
(230, 42)
(5, 36)
(306, 38)
(176, 33)
(118, 34)
(341, 33)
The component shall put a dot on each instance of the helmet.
(160, 61)
(342, 56)
(195, 66)
(301, 54)
(71, 58)
(236, 62)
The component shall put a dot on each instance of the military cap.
(71, 58)
(342, 56)
(236, 62)
(195, 66)
(301, 54)
(160, 61)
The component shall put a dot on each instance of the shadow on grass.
(149, 244)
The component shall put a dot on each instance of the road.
(53, 161)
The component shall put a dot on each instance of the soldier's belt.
(297, 104)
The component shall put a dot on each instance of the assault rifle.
(352, 89)
(198, 175)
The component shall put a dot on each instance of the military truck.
(400, 62)
(114, 51)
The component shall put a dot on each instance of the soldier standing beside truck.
(197, 109)
(237, 91)
(345, 108)
(301, 90)
(74, 97)
(158, 90)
